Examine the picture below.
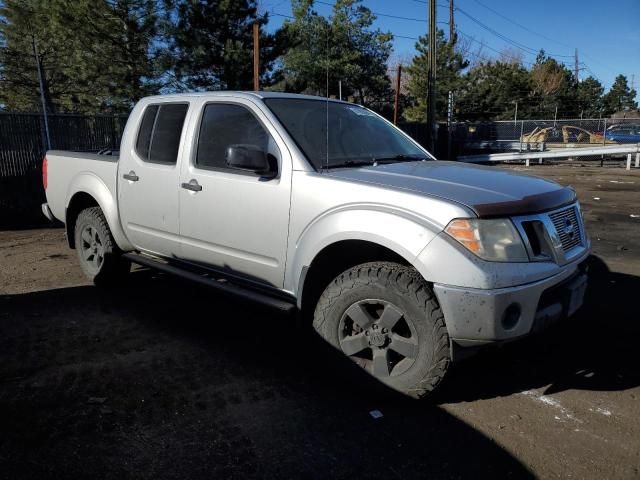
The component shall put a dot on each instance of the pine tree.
(553, 87)
(589, 97)
(620, 97)
(95, 56)
(210, 45)
(450, 64)
(28, 27)
(491, 90)
(344, 48)
(120, 54)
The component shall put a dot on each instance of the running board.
(222, 284)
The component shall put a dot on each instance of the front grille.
(568, 227)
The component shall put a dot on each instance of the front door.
(230, 219)
(148, 179)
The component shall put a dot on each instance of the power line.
(520, 25)
(514, 43)
(387, 15)
(519, 46)
(484, 45)
(397, 17)
(524, 48)
(282, 15)
(406, 37)
(538, 34)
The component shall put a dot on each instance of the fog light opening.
(511, 316)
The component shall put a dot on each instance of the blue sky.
(606, 33)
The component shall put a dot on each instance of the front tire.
(100, 258)
(386, 319)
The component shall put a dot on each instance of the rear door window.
(160, 132)
(146, 129)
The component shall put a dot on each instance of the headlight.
(495, 240)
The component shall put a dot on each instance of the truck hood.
(488, 191)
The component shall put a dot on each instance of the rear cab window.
(159, 134)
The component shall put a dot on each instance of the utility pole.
(431, 78)
(256, 56)
(452, 28)
(577, 67)
(340, 89)
(42, 99)
(449, 124)
(397, 95)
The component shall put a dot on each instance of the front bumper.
(476, 316)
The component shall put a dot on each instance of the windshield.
(356, 136)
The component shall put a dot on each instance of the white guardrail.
(628, 149)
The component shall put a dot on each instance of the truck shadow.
(594, 350)
(164, 377)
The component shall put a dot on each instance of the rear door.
(148, 179)
(236, 221)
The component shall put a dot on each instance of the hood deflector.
(537, 203)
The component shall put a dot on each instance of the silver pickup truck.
(398, 260)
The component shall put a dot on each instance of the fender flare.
(91, 184)
(403, 232)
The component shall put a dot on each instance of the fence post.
(604, 141)
(521, 133)
(628, 161)
(638, 160)
(113, 132)
(41, 83)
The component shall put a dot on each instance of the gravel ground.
(160, 378)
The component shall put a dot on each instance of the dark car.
(625, 133)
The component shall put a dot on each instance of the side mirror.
(249, 158)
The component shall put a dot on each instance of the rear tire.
(385, 317)
(100, 258)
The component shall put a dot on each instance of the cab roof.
(242, 94)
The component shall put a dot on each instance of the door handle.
(193, 185)
(131, 176)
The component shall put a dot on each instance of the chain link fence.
(544, 135)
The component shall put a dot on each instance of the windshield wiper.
(399, 158)
(351, 163)
(373, 161)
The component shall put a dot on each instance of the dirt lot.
(162, 379)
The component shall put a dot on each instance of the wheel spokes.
(379, 337)
(354, 343)
(389, 317)
(360, 316)
(380, 364)
(406, 347)
(86, 236)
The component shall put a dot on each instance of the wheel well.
(335, 259)
(79, 202)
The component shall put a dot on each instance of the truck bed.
(66, 170)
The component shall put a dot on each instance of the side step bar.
(222, 285)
